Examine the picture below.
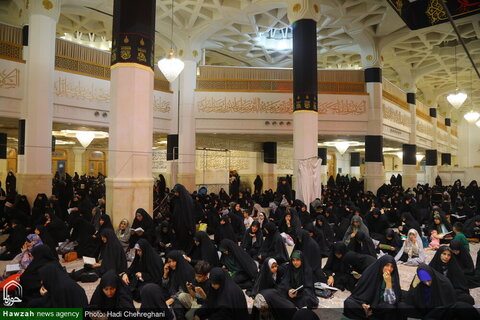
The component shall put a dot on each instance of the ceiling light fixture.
(419, 157)
(170, 66)
(458, 98)
(83, 136)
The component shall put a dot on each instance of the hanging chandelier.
(458, 98)
(471, 116)
(170, 66)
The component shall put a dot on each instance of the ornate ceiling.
(229, 31)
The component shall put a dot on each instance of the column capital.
(49, 8)
(303, 9)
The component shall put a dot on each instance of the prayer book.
(139, 229)
(89, 260)
(457, 216)
(12, 267)
(385, 247)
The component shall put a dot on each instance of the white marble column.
(186, 133)
(409, 176)
(431, 168)
(37, 162)
(79, 153)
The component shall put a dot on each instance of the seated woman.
(147, 266)
(151, 301)
(356, 225)
(273, 246)
(123, 233)
(297, 285)
(165, 240)
(409, 223)
(144, 221)
(288, 224)
(176, 273)
(13, 244)
(432, 296)
(225, 300)
(82, 232)
(46, 238)
(362, 243)
(442, 228)
(377, 293)
(446, 264)
(269, 277)
(25, 257)
(253, 239)
(411, 253)
(356, 264)
(111, 294)
(203, 249)
(464, 258)
(337, 273)
(321, 224)
(30, 278)
(311, 251)
(377, 224)
(112, 257)
(268, 304)
(58, 290)
(224, 231)
(392, 243)
(241, 267)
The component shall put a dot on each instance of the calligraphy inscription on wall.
(76, 90)
(9, 80)
(161, 105)
(396, 116)
(424, 128)
(257, 105)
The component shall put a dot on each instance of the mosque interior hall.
(212, 95)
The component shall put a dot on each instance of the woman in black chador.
(377, 293)
(273, 245)
(147, 266)
(445, 263)
(183, 218)
(239, 264)
(204, 249)
(297, 284)
(111, 294)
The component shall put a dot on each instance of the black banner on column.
(373, 75)
(133, 32)
(355, 159)
(448, 122)
(172, 147)
(409, 154)
(3, 146)
(305, 65)
(431, 158)
(373, 149)
(446, 159)
(433, 112)
(270, 152)
(411, 98)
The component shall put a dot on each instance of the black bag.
(88, 277)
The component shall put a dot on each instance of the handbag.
(89, 276)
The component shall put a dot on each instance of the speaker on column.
(446, 158)
(373, 149)
(172, 147)
(409, 154)
(431, 157)
(270, 152)
(21, 137)
(54, 141)
(354, 159)
(3, 146)
(322, 154)
(25, 35)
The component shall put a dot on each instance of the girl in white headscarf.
(412, 253)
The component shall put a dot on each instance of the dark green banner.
(420, 14)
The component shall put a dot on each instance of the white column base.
(324, 174)
(374, 176)
(355, 172)
(409, 176)
(124, 196)
(431, 173)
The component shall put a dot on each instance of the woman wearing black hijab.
(321, 224)
(410, 223)
(391, 243)
(297, 284)
(151, 300)
(253, 239)
(165, 240)
(13, 244)
(111, 294)
(269, 277)
(39, 208)
(46, 239)
(56, 227)
(183, 219)
(239, 264)
(269, 304)
(204, 249)
(356, 264)
(432, 296)
(83, 232)
(377, 224)
(363, 244)
(176, 273)
(258, 185)
(463, 257)
(225, 300)
(445, 263)
(377, 293)
(144, 221)
(147, 266)
(225, 231)
(273, 245)
(288, 224)
(312, 254)
(59, 290)
(30, 278)
(337, 273)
